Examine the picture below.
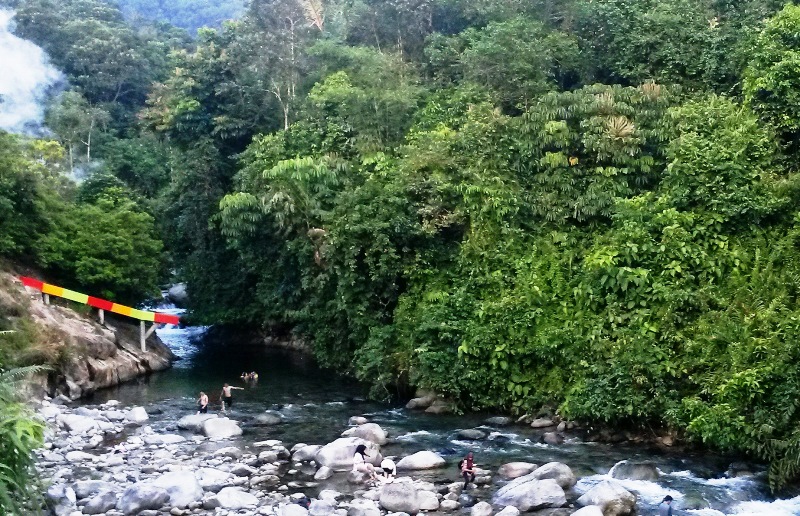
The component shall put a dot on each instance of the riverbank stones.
(611, 497)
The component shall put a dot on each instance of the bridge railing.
(103, 305)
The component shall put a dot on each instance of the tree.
(772, 77)
(77, 123)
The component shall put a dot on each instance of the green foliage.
(188, 14)
(107, 247)
(20, 433)
(771, 78)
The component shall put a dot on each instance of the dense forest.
(586, 205)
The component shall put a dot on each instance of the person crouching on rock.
(202, 403)
(388, 471)
(360, 463)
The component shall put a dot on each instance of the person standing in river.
(468, 469)
(665, 508)
(227, 396)
(202, 403)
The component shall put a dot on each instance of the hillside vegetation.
(590, 205)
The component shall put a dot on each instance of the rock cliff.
(83, 354)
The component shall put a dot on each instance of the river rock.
(320, 508)
(528, 493)
(362, 507)
(338, 455)
(77, 424)
(221, 428)
(182, 487)
(101, 503)
(357, 420)
(557, 471)
(211, 479)
(323, 473)
(234, 498)
(79, 456)
(512, 470)
(292, 509)
(439, 407)
(612, 498)
(499, 421)
(86, 488)
(428, 501)
(194, 422)
(142, 496)
(589, 510)
(467, 500)
(472, 434)
(177, 294)
(268, 418)
(306, 453)
(481, 509)
(400, 497)
(243, 470)
(635, 471)
(421, 460)
(542, 422)
(137, 415)
(62, 498)
(449, 505)
(162, 439)
(553, 438)
(421, 402)
(509, 511)
(368, 431)
(229, 451)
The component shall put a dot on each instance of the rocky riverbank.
(108, 460)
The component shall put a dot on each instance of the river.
(316, 405)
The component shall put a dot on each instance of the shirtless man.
(227, 396)
(202, 403)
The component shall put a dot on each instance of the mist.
(26, 78)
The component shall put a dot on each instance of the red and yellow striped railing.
(102, 304)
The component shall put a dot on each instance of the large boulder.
(509, 511)
(512, 470)
(306, 453)
(211, 479)
(62, 499)
(400, 497)
(557, 471)
(182, 487)
(542, 422)
(338, 455)
(589, 510)
(194, 422)
(368, 431)
(101, 503)
(421, 460)
(610, 496)
(221, 428)
(635, 471)
(323, 473)
(141, 497)
(234, 498)
(530, 494)
(421, 402)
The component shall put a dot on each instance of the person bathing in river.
(665, 509)
(202, 403)
(227, 396)
(360, 463)
(468, 469)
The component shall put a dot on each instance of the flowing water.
(316, 405)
